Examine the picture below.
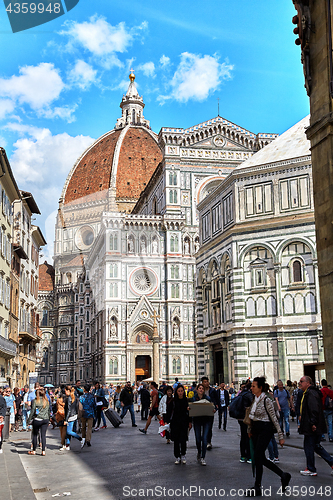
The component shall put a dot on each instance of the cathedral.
(126, 240)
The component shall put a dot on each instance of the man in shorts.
(154, 406)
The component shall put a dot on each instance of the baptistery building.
(127, 234)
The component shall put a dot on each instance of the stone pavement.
(123, 463)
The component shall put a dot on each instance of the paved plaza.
(123, 463)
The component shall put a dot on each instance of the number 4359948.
(33, 8)
(306, 491)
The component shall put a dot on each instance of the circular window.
(84, 237)
(143, 281)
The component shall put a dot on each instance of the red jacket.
(326, 392)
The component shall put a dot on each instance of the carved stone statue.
(131, 245)
(186, 247)
(143, 245)
(175, 331)
(154, 246)
(113, 329)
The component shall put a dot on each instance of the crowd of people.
(261, 412)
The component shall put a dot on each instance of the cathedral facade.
(126, 239)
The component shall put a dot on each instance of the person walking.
(87, 419)
(25, 407)
(222, 396)
(165, 408)
(154, 406)
(282, 398)
(18, 404)
(145, 401)
(98, 392)
(244, 445)
(71, 414)
(10, 401)
(180, 424)
(201, 426)
(211, 394)
(39, 417)
(327, 400)
(127, 402)
(261, 431)
(59, 417)
(312, 426)
(3, 409)
(116, 402)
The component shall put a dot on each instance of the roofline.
(36, 229)
(5, 163)
(30, 201)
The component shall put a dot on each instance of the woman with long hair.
(261, 430)
(180, 423)
(59, 417)
(18, 403)
(116, 401)
(201, 426)
(71, 413)
(39, 416)
(165, 408)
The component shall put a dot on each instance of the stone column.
(316, 43)
(156, 351)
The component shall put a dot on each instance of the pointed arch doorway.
(142, 367)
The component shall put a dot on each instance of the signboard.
(33, 378)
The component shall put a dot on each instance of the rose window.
(143, 281)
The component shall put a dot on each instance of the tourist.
(116, 401)
(327, 400)
(282, 397)
(71, 414)
(3, 409)
(87, 419)
(145, 401)
(312, 426)
(211, 394)
(127, 402)
(246, 400)
(201, 426)
(10, 401)
(165, 408)
(18, 404)
(263, 420)
(98, 392)
(222, 396)
(60, 418)
(39, 417)
(180, 423)
(154, 406)
(25, 407)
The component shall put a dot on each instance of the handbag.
(247, 420)
(80, 410)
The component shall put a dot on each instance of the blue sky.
(61, 83)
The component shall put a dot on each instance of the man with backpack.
(327, 400)
(237, 410)
(282, 397)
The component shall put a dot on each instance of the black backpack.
(328, 404)
(237, 407)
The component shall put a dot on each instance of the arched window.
(297, 271)
(175, 291)
(87, 347)
(113, 270)
(176, 365)
(174, 247)
(113, 242)
(113, 366)
(133, 116)
(45, 317)
(113, 289)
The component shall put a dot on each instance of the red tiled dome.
(133, 152)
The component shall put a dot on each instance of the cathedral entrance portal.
(142, 367)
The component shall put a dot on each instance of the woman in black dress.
(180, 423)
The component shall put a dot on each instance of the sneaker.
(307, 472)
(209, 446)
(83, 440)
(168, 441)
(249, 461)
(288, 434)
(184, 459)
(62, 448)
(177, 461)
(285, 479)
(1, 451)
(202, 461)
(134, 425)
(243, 460)
(270, 459)
(88, 443)
(96, 429)
(144, 432)
(104, 427)
(276, 461)
(68, 447)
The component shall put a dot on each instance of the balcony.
(7, 348)
(29, 332)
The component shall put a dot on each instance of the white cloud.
(49, 234)
(39, 155)
(164, 61)
(147, 68)
(6, 107)
(98, 36)
(37, 86)
(196, 77)
(82, 75)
